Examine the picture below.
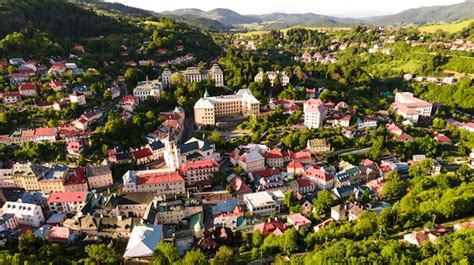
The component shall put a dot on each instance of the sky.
(345, 8)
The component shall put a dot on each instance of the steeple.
(206, 94)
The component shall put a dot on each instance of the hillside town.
(269, 151)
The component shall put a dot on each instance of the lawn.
(451, 28)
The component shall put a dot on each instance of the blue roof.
(81, 88)
(224, 206)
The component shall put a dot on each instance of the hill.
(451, 28)
(427, 15)
(58, 18)
(222, 15)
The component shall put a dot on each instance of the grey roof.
(156, 145)
(93, 171)
(193, 144)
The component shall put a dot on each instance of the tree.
(321, 203)
(224, 256)
(215, 137)
(166, 253)
(238, 170)
(179, 80)
(257, 238)
(289, 198)
(290, 241)
(422, 168)
(101, 254)
(194, 257)
(395, 187)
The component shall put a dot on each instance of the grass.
(451, 28)
(410, 66)
(244, 258)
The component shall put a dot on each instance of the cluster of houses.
(318, 57)
(435, 80)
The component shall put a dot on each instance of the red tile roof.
(273, 227)
(27, 86)
(274, 153)
(45, 132)
(157, 178)
(142, 153)
(317, 173)
(305, 183)
(68, 196)
(200, 164)
(79, 177)
(295, 164)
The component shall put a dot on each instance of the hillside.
(222, 15)
(451, 28)
(58, 18)
(427, 15)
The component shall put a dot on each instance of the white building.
(8, 221)
(147, 88)
(67, 202)
(249, 157)
(194, 75)
(271, 75)
(314, 113)
(410, 107)
(160, 181)
(198, 171)
(78, 97)
(26, 213)
(264, 203)
(143, 241)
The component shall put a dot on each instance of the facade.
(318, 146)
(323, 180)
(11, 97)
(314, 113)
(194, 172)
(272, 76)
(99, 176)
(249, 157)
(194, 74)
(159, 181)
(67, 202)
(276, 157)
(26, 213)
(410, 107)
(171, 209)
(146, 89)
(209, 110)
(8, 221)
(27, 175)
(78, 97)
(264, 203)
(53, 180)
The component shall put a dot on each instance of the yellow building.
(27, 175)
(208, 110)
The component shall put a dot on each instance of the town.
(166, 144)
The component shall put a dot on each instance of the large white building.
(264, 203)
(271, 75)
(410, 107)
(26, 213)
(194, 74)
(147, 89)
(314, 113)
(208, 110)
(67, 202)
(159, 181)
(249, 157)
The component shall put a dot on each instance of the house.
(465, 225)
(223, 207)
(298, 221)
(324, 180)
(307, 208)
(249, 157)
(346, 211)
(77, 181)
(78, 98)
(303, 157)
(419, 238)
(63, 235)
(56, 85)
(8, 221)
(114, 92)
(161, 181)
(238, 185)
(129, 103)
(318, 146)
(442, 139)
(271, 227)
(314, 113)
(272, 76)
(53, 180)
(198, 171)
(126, 205)
(394, 129)
(347, 175)
(264, 203)
(195, 149)
(275, 157)
(143, 156)
(26, 213)
(46, 134)
(306, 186)
(17, 78)
(11, 97)
(98, 176)
(27, 175)
(143, 241)
(75, 148)
(27, 89)
(67, 202)
(294, 168)
(367, 122)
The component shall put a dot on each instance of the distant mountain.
(223, 15)
(426, 15)
(308, 19)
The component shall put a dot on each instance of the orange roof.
(200, 164)
(68, 196)
(295, 164)
(45, 132)
(156, 178)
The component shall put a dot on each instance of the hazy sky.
(349, 8)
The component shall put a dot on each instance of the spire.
(206, 94)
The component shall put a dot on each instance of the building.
(264, 203)
(160, 181)
(198, 171)
(318, 146)
(419, 238)
(143, 241)
(99, 176)
(276, 157)
(294, 168)
(67, 202)
(271, 227)
(126, 205)
(306, 186)
(210, 110)
(53, 180)
(78, 98)
(194, 75)
(298, 221)
(324, 180)
(272, 77)
(46, 134)
(347, 211)
(27, 89)
(314, 113)
(27, 175)
(146, 89)
(26, 213)
(11, 97)
(249, 157)
(8, 221)
(410, 107)
(77, 181)
(172, 209)
(195, 149)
